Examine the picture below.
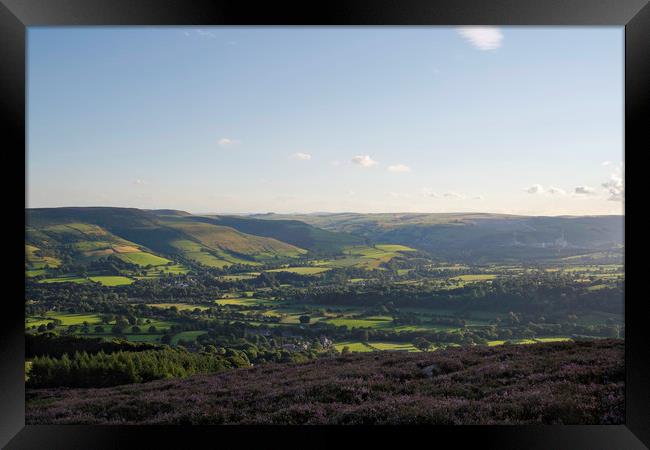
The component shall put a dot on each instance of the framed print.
(358, 219)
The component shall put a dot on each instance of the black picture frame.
(16, 15)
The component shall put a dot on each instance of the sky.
(516, 120)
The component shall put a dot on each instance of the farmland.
(201, 289)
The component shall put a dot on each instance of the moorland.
(122, 296)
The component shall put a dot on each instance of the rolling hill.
(85, 234)
(475, 235)
(293, 232)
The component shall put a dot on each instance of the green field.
(394, 346)
(354, 346)
(73, 318)
(474, 277)
(243, 301)
(65, 279)
(186, 336)
(142, 259)
(112, 280)
(368, 322)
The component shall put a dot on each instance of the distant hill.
(88, 233)
(294, 232)
(549, 383)
(477, 235)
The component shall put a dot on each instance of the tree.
(99, 329)
(345, 350)
(422, 344)
(304, 319)
(152, 329)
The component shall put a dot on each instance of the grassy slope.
(294, 232)
(95, 232)
(569, 383)
(471, 235)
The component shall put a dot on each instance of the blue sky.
(522, 120)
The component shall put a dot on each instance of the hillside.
(293, 232)
(558, 383)
(490, 237)
(84, 234)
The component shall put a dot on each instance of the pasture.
(107, 280)
(142, 259)
(186, 336)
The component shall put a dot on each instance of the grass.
(243, 301)
(39, 262)
(186, 336)
(361, 323)
(367, 257)
(474, 277)
(65, 279)
(109, 280)
(143, 259)
(394, 346)
(359, 347)
(244, 276)
(68, 319)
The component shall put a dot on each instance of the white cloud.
(605, 163)
(478, 197)
(535, 189)
(226, 142)
(205, 33)
(335, 163)
(364, 161)
(429, 193)
(483, 38)
(301, 156)
(398, 195)
(399, 168)
(455, 195)
(615, 187)
(556, 191)
(139, 182)
(584, 190)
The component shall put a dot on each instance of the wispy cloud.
(584, 190)
(139, 182)
(227, 142)
(535, 189)
(429, 193)
(483, 38)
(301, 156)
(364, 161)
(556, 191)
(606, 163)
(454, 195)
(399, 168)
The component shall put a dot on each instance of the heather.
(552, 383)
